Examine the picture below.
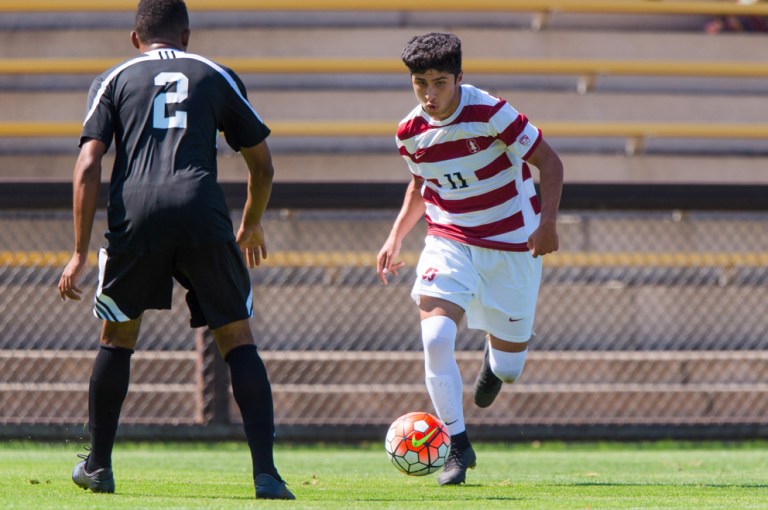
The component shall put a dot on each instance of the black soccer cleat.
(268, 487)
(455, 470)
(101, 480)
(487, 385)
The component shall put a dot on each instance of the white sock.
(443, 378)
(508, 366)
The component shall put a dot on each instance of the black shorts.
(215, 276)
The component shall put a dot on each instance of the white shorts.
(497, 289)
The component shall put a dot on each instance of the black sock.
(108, 387)
(461, 440)
(253, 395)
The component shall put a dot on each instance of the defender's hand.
(252, 244)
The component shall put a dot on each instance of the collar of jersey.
(156, 52)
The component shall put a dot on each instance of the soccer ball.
(417, 443)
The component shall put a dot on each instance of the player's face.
(438, 92)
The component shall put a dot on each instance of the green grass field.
(528, 476)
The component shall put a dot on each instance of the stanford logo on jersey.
(524, 140)
(473, 146)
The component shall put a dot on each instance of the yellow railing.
(639, 130)
(536, 6)
(368, 259)
(585, 67)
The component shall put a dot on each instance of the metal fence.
(649, 319)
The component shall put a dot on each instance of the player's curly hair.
(157, 20)
(435, 50)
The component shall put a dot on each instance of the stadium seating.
(617, 91)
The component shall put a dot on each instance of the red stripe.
(412, 128)
(448, 150)
(471, 204)
(526, 172)
(482, 243)
(476, 113)
(495, 167)
(498, 106)
(535, 204)
(510, 224)
(456, 149)
(470, 113)
(510, 134)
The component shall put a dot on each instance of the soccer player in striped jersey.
(469, 155)
(167, 219)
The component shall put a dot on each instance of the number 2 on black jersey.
(159, 118)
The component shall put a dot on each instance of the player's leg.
(220, 296)
(444, 286)
(439, 319)
(503, 362)
(128, 285)
(505, 308)
(107, 390)
(253, 395)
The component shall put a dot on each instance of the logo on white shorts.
(429, 274)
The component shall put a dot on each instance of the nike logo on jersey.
(514, 320)
(419, 153)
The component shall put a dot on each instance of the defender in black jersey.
(167, 219)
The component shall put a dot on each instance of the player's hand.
(68, 282)
(385, 260)
(544, 240)
(252, 244)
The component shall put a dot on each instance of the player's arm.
(410, 213)
(544, 240)
(85, 196)
(250, 235)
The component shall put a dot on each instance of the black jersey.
(164, 110)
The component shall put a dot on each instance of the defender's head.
(162, 22)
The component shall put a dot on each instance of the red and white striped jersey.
(477, 187)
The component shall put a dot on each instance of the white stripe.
(102, 265)
(106, 301)
(157, 55)
(475, 218)
(531, 218)
(110, 77)
(224, 74)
